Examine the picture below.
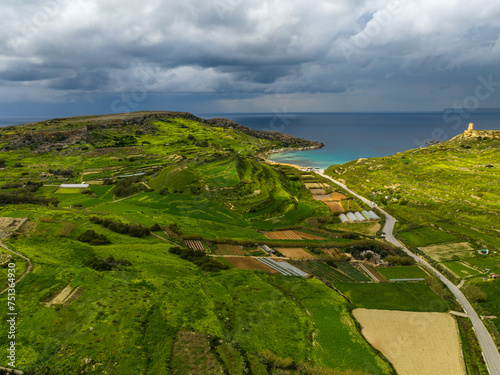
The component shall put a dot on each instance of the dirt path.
(28, 265)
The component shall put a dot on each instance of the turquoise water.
(349, 136)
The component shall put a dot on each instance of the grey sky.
(64, 57)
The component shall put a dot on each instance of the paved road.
(490, 350)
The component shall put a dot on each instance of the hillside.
(449, 191)
(166, 152)
(446, 198)
(125, 273)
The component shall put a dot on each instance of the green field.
(491, 307)
(414, 296)
(125, 317)
(425, 236)
(485, 262)
(407, 272)
(153, 310)
(462, 270)
(197, 179)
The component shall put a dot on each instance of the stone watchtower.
(470, 131)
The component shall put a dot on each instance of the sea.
(350, 136)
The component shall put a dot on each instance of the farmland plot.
(283, 267)
(282, 235)
(443, 252)
(247, 263)
(353, 272)
(224, 249)
(317, 191)
(335, 207)
(195, 244)
(308, 236)
(414, 342)
(322, 270)
(295, 253)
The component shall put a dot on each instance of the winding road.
(488, 346)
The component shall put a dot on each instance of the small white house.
(74, 186)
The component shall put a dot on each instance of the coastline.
(265, 155)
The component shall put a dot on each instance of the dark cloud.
(357, 55)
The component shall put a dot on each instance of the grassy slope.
(435, 185)
(127, 319)
(394, 296)
(211, 183)
(445, 193)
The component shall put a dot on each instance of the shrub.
(397, 260)
(93, 238)
(105, 264)
(199, 258)
(474, 294)
(26, 197)
(155, 228)
(133, 230)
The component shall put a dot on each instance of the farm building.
(494, 276)
(343, 218)
(267, 249)
(131, 175)
(352, 217)
(484, 251)
(74, 186)
(359, 216)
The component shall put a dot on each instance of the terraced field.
(353, 272)
(224, 249)
(322, 270)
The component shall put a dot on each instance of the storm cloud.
(248, 55)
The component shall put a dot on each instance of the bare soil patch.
(446, 250)
(317, 191)
(321, 197)
(337, 196)
(308, 236)
(315, 185)
(12, 225)
(223, 249)
(65, 296)
(247, 263)
(295, 253)
(282, 235)
(335, 207)
(414, 342)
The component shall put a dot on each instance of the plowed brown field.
(335, 207)
(247, 263)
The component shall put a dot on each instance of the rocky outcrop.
(472, 133)
(293, 143)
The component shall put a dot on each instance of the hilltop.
(446, 198)
(123, 130)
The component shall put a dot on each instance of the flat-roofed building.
(74, 186)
